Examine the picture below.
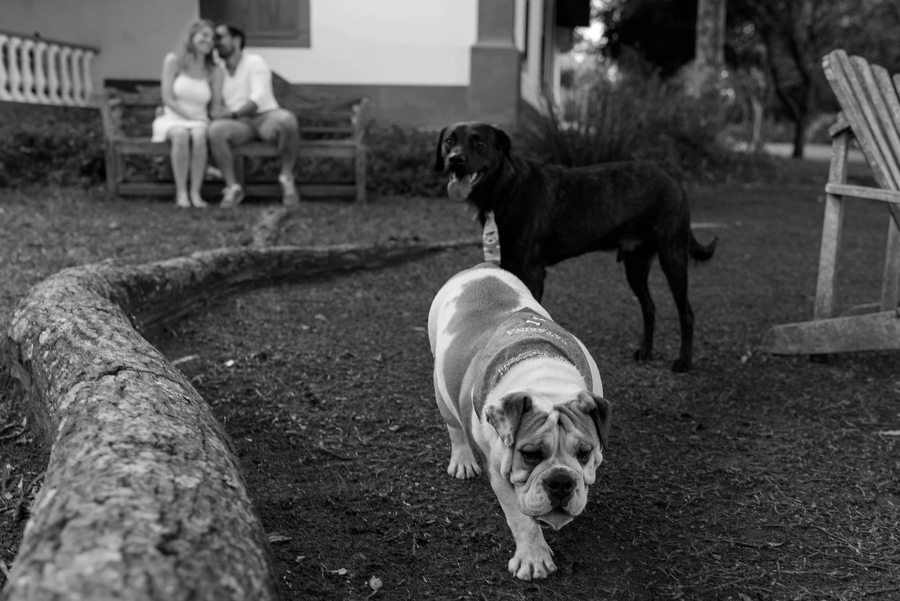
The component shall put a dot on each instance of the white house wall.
(133, 37)
(531, 66)
(400, 42)
(411, 57)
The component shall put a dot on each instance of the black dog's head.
(469, 151)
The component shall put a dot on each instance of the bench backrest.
(131, 114)
(870, 105)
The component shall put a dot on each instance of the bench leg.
(112, 175)
(360, 175)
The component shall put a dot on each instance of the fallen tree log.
(266, 231)
(142, 497)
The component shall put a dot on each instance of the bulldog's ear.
(503, 142)
(439, 153)
(600, 411)
(506, 414)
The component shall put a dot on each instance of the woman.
(190, 82)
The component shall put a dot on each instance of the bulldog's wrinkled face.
(554, 454)
(469, 152)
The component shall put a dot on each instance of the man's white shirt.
(252, 80)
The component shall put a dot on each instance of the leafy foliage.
(64, 147)
(661, 32)
(401, 161)
(774, 48)
(47, 145)
(633, 118)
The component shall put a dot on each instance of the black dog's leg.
(673, 260)
(533, 278)
(637, 271)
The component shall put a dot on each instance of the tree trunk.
(142, 497)
(757, 110)
(268, 228)
(709, 51)
(799, 137)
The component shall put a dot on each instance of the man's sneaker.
(289, 196)
(232, 196)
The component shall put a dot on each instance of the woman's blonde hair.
(188, 51)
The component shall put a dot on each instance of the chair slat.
(879, 194)
(867, 122)
(889, 92)
(834, 68)
(881, 122)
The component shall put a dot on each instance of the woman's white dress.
(193, 95)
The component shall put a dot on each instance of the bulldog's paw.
(532, 563)
(463, 464)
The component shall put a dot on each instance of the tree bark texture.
(709, 49)
(142, 497)
(268, 228)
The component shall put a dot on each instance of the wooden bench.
(331, 131)
(870, 114)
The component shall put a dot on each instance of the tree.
(659, 32)
(784, 40)
(709, 60)
(795, 34)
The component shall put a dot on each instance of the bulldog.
(522, 393)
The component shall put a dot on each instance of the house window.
(265, 22)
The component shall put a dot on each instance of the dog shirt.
(522, 336)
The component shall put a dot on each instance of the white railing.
(40, 71)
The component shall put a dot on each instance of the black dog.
(547, 213)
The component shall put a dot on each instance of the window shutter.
(265, 22)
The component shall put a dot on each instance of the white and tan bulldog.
(516, 388)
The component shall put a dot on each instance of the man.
(250, 113)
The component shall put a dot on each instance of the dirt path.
(751, 477)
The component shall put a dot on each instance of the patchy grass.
(751, 477)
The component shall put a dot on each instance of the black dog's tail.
(699, 252)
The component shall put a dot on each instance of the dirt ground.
(752, 477)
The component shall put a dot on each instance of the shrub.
(64, 147)
(50, 145)
(637, 117)
(401, 161)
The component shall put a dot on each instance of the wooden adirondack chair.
(870, 113)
